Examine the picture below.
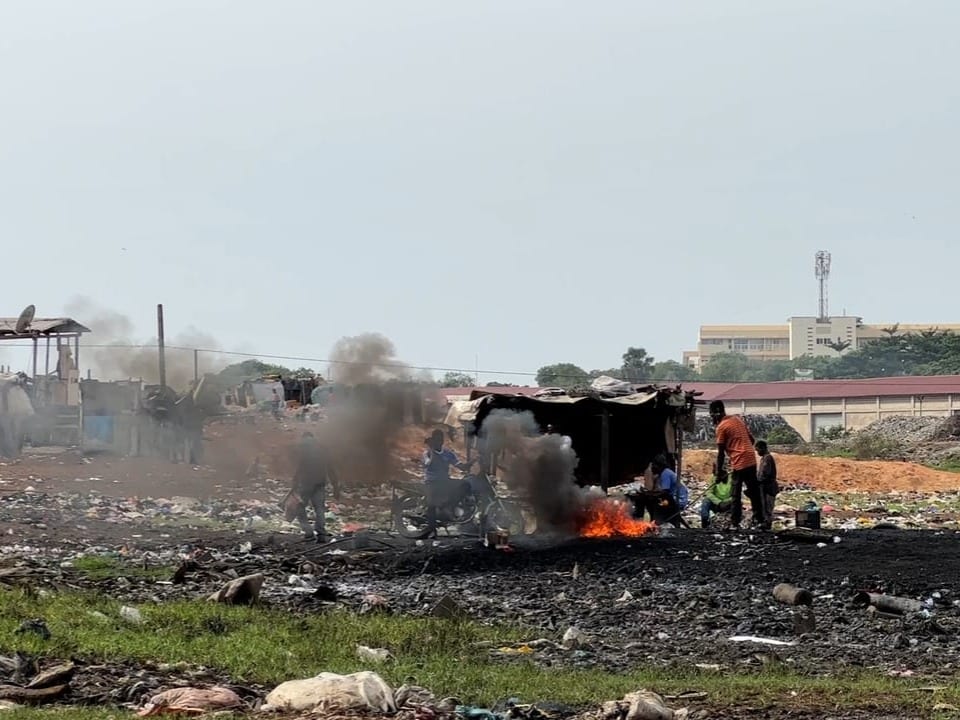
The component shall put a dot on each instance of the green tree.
(637, 365)
(238, 373)
(456, 379)
(616, 373)
(726, 367)
(671, 370)
(563, 375)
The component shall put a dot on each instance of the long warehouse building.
(813, 405)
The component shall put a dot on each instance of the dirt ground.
(232, 447)
(843, 475)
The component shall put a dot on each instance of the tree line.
(934, 352)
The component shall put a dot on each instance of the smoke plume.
(371, 398)
(367, 358)
(540, 468)
(114, 359)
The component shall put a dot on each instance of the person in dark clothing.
(314, 470)
(734, 439)
(767, 476)
(442, 491)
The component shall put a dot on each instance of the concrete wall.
(856, 413)
(809, 335)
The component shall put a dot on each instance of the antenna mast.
(822, 272)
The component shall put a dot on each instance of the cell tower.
(822, 271)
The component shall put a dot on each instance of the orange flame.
(609, 517)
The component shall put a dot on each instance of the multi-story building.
(800, 336)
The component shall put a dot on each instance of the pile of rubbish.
(81, 510)
(163, 689)
(368, 693)
(933, 441)
(904, 429)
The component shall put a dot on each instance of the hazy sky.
(519, 182)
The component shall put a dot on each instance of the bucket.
(809, 519)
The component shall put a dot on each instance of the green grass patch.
(951, 465)
(450, 657)
(104, 567)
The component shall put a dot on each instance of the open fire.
(606, 517)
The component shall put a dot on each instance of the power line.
(296, 358)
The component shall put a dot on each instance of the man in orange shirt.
(734, 439)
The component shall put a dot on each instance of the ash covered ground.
(673, 601)
(676, 599)
(661, 600)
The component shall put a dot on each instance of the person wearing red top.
(734, 440)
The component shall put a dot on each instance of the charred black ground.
(661, 600)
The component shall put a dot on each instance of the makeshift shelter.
(615, 438)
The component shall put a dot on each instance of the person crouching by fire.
(314, 471)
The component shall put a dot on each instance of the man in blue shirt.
(668, 482)
(437, 461)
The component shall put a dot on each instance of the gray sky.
(527, 182)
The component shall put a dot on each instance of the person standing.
(314, 470)
(734, 439)
(767, 476)
(277, 405)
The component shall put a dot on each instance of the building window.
(739, 345)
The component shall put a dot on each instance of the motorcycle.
(471, 501)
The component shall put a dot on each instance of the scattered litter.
(574, 638)
(328, 691)
(373, 655)
(242, 591)
(131, 615)
(194, 701)
(761, 641)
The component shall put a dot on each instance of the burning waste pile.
(539, 469)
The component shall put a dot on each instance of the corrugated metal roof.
(465, 392)
(786, 390)
(830, 389)
(42, 326)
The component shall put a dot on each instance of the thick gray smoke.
(371, 399)
(539, 468)
(113, 361)
(367, 358)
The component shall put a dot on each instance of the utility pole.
(163, 359)
(196, 365)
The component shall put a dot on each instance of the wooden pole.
(605, 450)
(46, 367)
(160, 350)
(34, 359)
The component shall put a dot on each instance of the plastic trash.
(131, 615)
(327, 691)
(373, 655)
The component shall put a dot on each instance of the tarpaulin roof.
(42, 326)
